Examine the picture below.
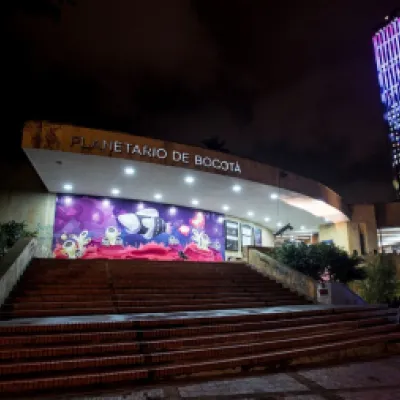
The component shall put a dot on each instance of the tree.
(318, 259)
(215, 143)
(380, 285)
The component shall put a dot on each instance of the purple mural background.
(91, 227)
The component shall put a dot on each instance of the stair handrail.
(14, 263)
(288, 277)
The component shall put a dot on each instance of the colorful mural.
(90, 227)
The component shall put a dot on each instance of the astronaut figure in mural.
(74, 246)
(146, 223)
(112, 237)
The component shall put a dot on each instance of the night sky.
(289, 83)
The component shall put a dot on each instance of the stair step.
(265, 358)
(51, 305)
(189, 321)
(152, 297)
(72, 345)
(57, 364)
(74, 379)
(260, 346)
(21, 313)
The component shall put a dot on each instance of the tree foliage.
(380, 285)
(318, 259)
(10, 232)
(215, 143)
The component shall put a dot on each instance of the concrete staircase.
(108, 322)
(88, 287)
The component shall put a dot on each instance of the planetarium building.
(114, 195)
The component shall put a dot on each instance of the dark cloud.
(288, 83)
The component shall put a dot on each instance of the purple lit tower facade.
(387, 54)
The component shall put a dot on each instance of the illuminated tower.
(387, 54)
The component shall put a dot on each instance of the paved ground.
(372, 380)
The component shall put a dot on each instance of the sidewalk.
(371, 380)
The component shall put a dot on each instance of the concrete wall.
(267, 237)
(365, 216)
(347, 234)
(36, 209)
(338, 233)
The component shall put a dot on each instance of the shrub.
(380, 285)
(300, 257)
(10, 232)
(318, 259)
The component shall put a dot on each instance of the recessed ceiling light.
(172, 211)
(115, 191)
(158, 196)
(140, 206)
(302, 227)
(236, 188)
(279, 224)
(129, 171)
(106, 203)
(225, 207)
(250, 213)
(67, 201)
(189, 179)
(68, 186)
(267, 219)
(195, 202)
(274, 196)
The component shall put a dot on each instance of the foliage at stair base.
(381, 285)
(321, 261)
(313, 289)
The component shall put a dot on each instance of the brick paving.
(371, 380)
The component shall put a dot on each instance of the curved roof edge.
(75, 139)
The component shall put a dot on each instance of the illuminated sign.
(145, 151)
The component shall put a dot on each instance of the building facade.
(112, 195)
(386, 43)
